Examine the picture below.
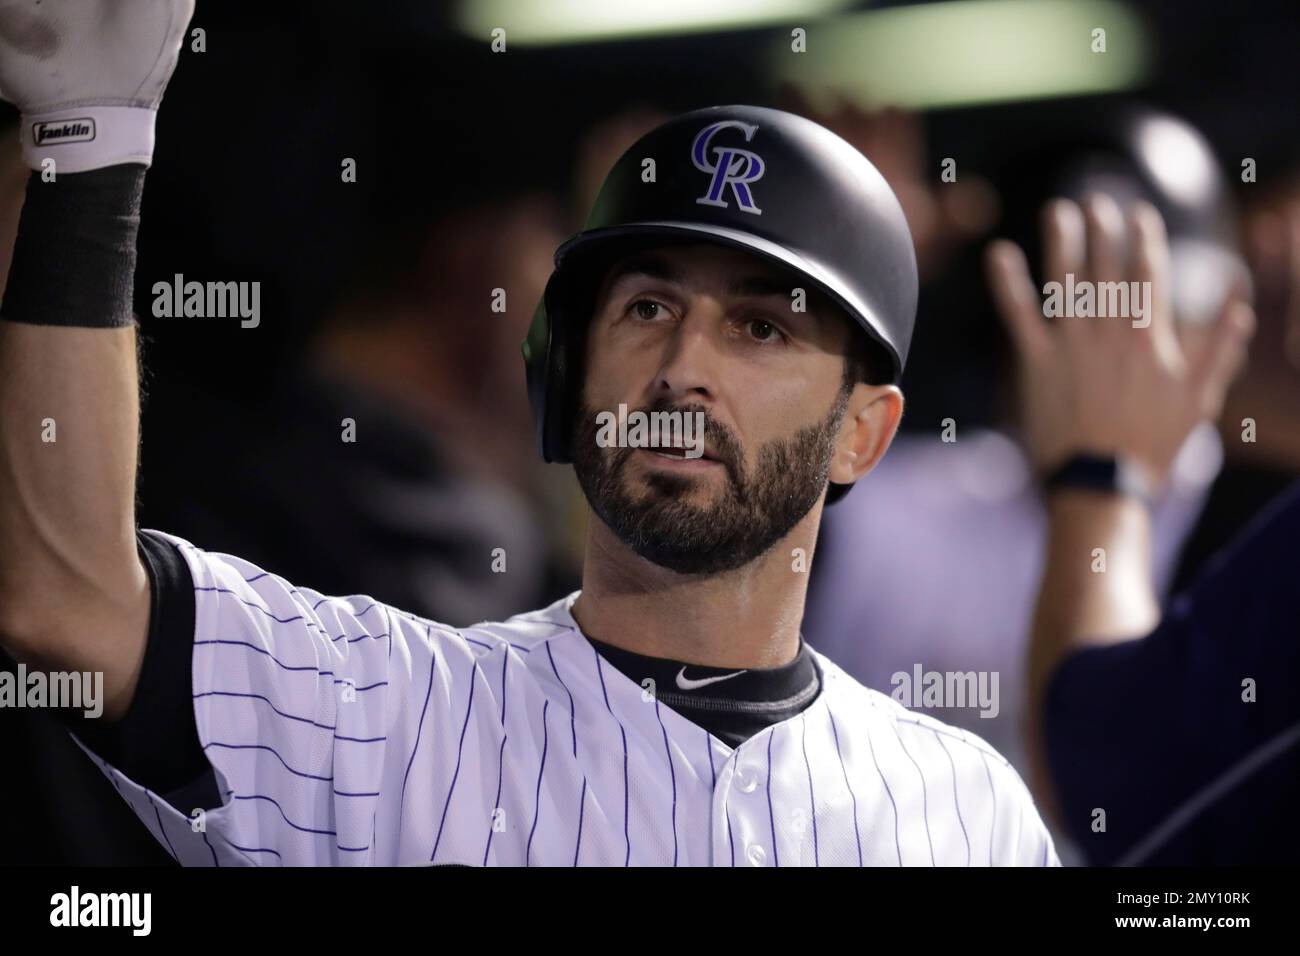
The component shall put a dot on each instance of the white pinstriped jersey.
(343, 731)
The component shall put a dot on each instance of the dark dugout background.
(246, 186)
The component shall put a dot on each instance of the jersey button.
(756, 855)
(746, 781)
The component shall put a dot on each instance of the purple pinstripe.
(857, 834)
(672, 773)
(501, 754)
(275, 803)
(275, 753)
(433, 669)
(460, 752)
(812, 800)
(211, 849)
(265, 700)
(713, 774)
(726, 812)
(771, 814)
(582, 806)
(993, 825)
(537, 798)
(955, 801)
(573, 713)
(925, 802)
(161, 829)
(627, 832)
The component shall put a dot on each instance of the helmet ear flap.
(546, 368)
(555, 348)
(553, 362)
(834, 492)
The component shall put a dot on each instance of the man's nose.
(691, 353)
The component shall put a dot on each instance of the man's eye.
(647, 309)
(762, 330)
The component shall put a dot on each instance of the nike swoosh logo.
(685, 683)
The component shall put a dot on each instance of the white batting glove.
(88, 76)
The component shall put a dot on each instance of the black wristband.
(74, 259)
(1102, 473)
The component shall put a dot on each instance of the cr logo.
(729, 166)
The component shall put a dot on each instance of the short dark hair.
(866, 361)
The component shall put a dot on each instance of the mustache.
(721, 441)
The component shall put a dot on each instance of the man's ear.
(870, 423)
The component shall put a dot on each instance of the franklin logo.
(64, 131)
(729, 166)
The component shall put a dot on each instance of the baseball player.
(743, 267)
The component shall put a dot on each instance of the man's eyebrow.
(760, 286)
(653, 266)
(656, 267)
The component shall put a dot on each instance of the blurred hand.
(1102, 385)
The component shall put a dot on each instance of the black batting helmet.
(768, 182)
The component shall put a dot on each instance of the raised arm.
(1121, 389)
(88, 76)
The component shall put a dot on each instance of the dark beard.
(753, 513)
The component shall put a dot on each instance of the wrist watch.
(1105, 473)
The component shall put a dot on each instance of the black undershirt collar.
(731, 705)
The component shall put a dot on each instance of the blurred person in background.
(396, 451)
(1260, 425)
(1159, 735)
(388, 448)
(1180, 722)
(965, 515)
